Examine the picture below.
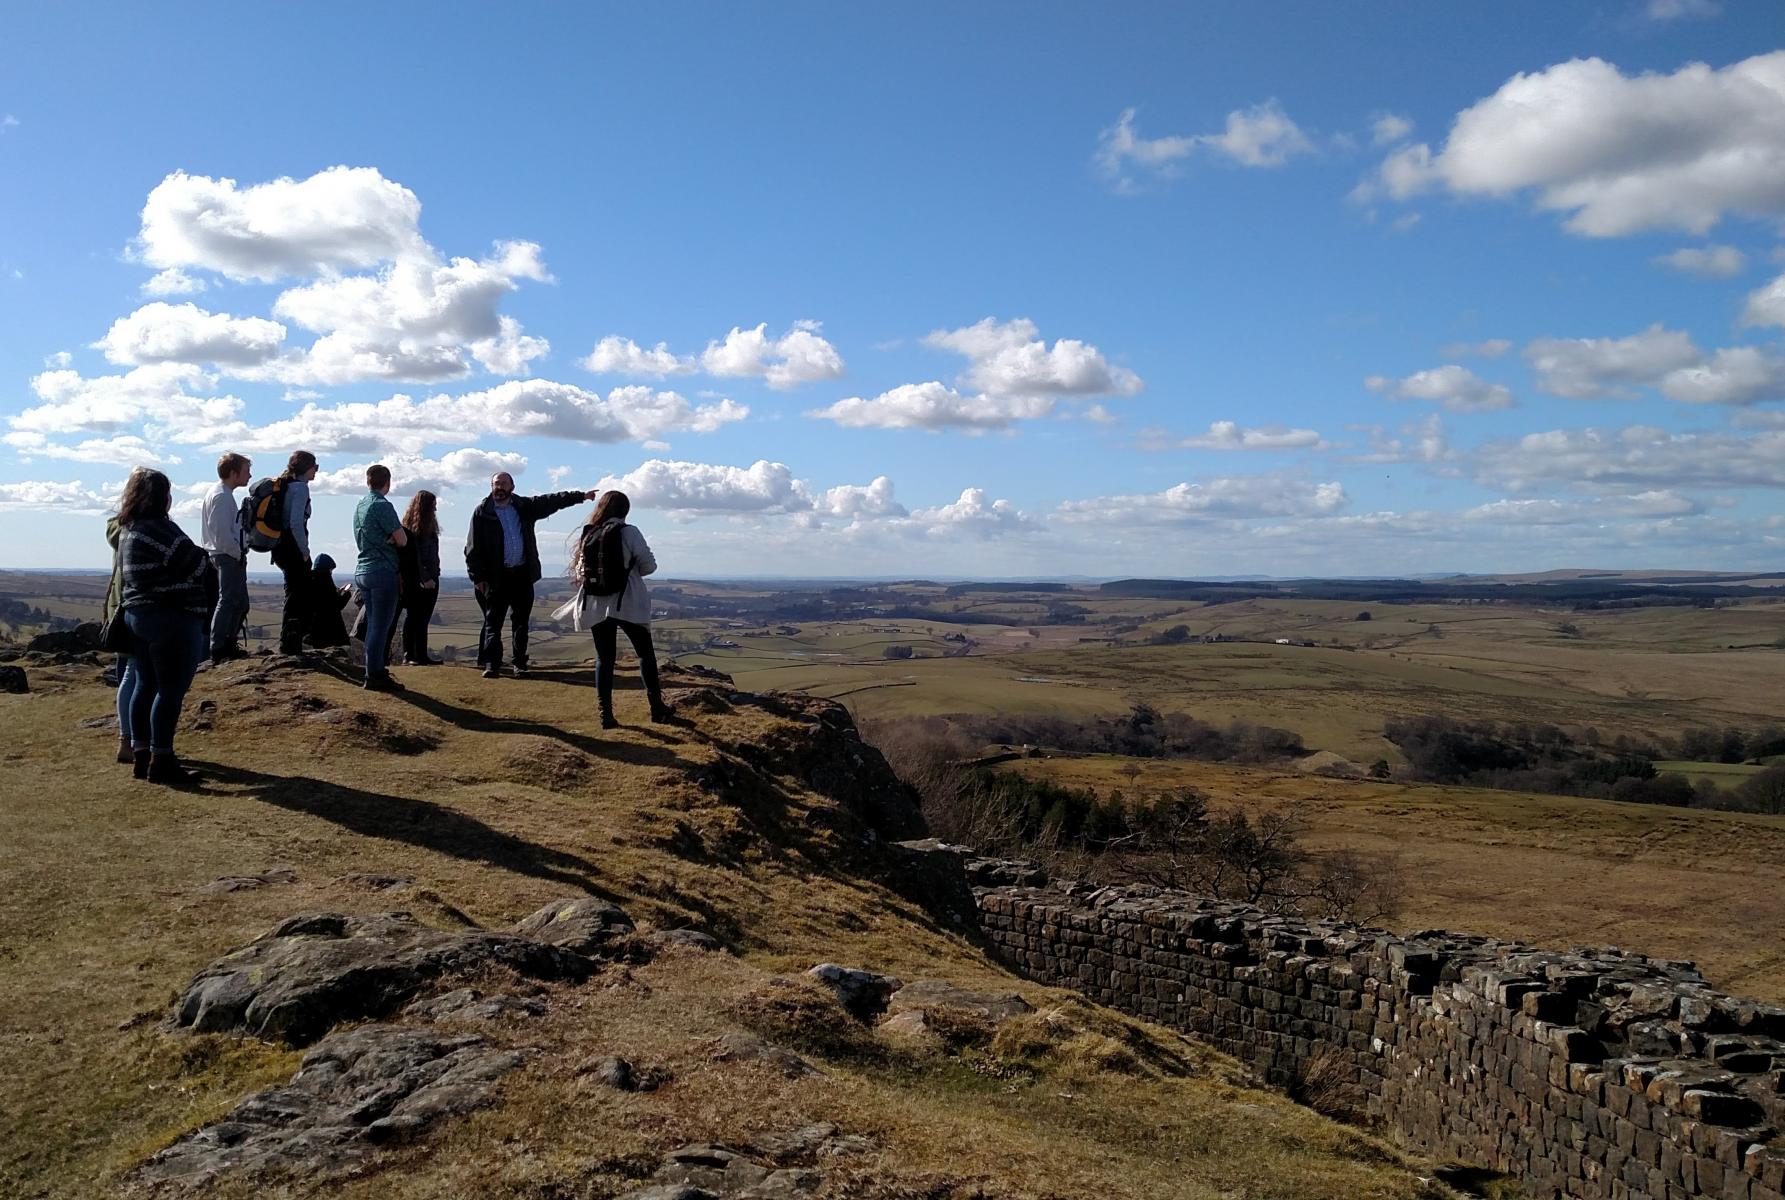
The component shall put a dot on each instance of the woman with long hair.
(609, 562)
(419, 569)
(165, 603)
(114, 597)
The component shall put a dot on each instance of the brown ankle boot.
(125, 753)
(166, 769)
(139, 763)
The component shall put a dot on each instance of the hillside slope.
(470, 804)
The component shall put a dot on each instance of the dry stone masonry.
(1594, 1074)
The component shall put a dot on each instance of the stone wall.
(1594, 1074)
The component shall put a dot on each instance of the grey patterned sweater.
(162, 567)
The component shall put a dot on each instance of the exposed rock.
(318, 969)
(472, 1005)
(248, 883)
(933, 873)
(812, 1142)
(13, 681)
(82, 639)
(354, 1090)
(671, 1191)
(584, 925)
(923, 994)
(747, 1047)
(371, 881)
(692, 939)
(863, 993)
(717, 1168)
(610, 1070)
(783, 1183)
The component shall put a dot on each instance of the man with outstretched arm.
(502, 558)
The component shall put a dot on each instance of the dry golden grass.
(1552, 870)
(513, 798)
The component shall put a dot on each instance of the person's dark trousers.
(509, 596)
(294, 621)
(379, 590)
(232, 605)
(419, 610)
(607, 647)
(169, 643)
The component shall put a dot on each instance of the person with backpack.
(276, 519)
(226, 542)
(419, 571)
(609, 563)
(502, 558)
(380, 537)
(165, 601)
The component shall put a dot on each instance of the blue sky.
(1041, 291)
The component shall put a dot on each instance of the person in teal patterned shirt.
(379, 535)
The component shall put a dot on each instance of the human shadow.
(414, 822)
(474, 721)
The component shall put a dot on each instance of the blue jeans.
(169, 643)
(232, 603)
(379, 594)
(127, 681)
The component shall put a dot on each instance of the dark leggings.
(607, 646)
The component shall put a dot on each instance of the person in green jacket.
(127, 676)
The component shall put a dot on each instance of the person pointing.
(502, 558)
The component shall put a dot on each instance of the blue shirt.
(514, 550)
(373, 523)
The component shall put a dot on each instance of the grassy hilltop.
(470, 803)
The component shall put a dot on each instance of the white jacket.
(633, 605)
(221, 519)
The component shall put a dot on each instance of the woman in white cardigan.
(608, 546)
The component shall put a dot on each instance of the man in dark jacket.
(502, 558)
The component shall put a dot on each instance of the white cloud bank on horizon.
(801, 355)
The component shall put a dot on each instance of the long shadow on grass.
(473, 721)
(415, 822)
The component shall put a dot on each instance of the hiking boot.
(166, 769)
(661, 713)
(607, 719)
(491, 673)
(125, 753)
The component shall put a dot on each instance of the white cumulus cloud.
(1766, 305)
(975, 512)
(1736, 375)
(623, 356)
(1010, 359)
(121, 450)
(858, 501)
(1260, 136)
(691, 487)
(165, 400)
(1639, 456)
(1231, 435)
(411, 473)
(1588, 368)
(934, 406)
(51, 496)
(1389, 128)
(1706, 262)
(185, 333)
(1453, 388)
(343, 217)
(1620, 154)
(173, 282)
(1236, 497)
(801, 355)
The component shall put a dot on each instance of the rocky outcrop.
(1591, 1073)
(772, 1167)
(14, 681)
(863, 993)
(584, 925)
(354, 1091)
(82, 639)
(314, 971)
